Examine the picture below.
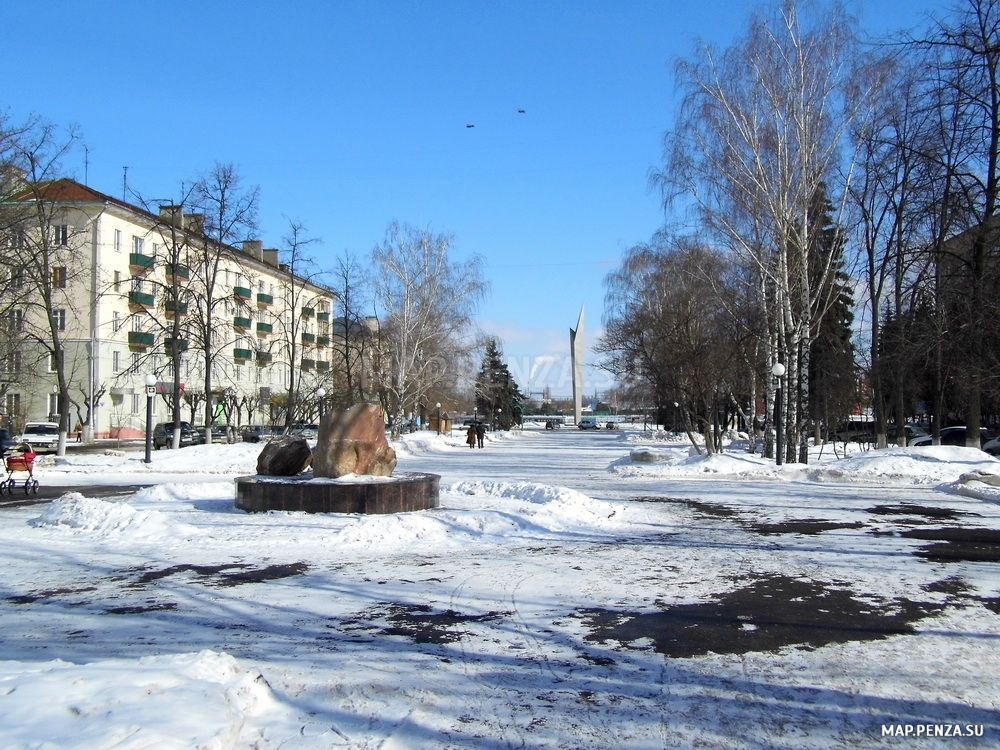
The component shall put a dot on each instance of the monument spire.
(576, 360)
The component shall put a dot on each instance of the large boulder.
(284, 457)
(353, 442)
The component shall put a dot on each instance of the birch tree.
(427, 300)
(761, 129)
(229, 211)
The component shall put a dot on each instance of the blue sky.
(351, 115)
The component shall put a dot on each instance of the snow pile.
(552, 508)
(921, 465)
(75, 512)
(238, 458)
(676, 465)
(180, 701)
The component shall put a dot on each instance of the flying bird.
(470, 126)
(520, 111)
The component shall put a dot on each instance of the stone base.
(399, 493)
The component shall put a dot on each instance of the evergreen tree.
(497, 394)
(833, 392)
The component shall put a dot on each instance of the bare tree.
(44, 240)
(352, 336)
(761, 131)
(229, 210)
(427, 300)
(298, 291)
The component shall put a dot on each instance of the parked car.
(42, 436)
(910, 431)
(992, 447)
(953, 436)
(220, 433)
(589, 423)
(255, 433)
(307, 431)
(163, 435)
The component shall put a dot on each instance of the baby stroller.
(20, 459)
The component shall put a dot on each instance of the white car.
(42, 436)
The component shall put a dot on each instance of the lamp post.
(320, 393)
(437, 406)
(778, 370)
(150, 381)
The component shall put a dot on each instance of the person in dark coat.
(470, 436)
(480, 433)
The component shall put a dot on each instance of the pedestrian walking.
(480, 433)
(470, 436)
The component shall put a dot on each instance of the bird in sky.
(470, 126)
(520, 111)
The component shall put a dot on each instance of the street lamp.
(438, 407)
(778, 370)
(150, 392)
(320, 393)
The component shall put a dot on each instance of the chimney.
(172, 214)
(254, 248)
(270, 256)
(195, 223)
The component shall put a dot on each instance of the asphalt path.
(49, 492)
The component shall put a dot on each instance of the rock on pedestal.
(353, 442)
(284, 458)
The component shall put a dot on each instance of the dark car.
(953, 436)
(255, 433)
(163, 435)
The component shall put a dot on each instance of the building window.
(16, 320)
(12, 403)
(118, 281)
(136, 323)
(137, 245)
(59, 318)
(116, 361)
(11, 366)
(60, 235)
(59, 277)
(136, 403)
(135, 362)
(16, 279)
(53, 403)
(136, 283)
(260, 286)
(53, 362)
(118, 240)
(116, 322)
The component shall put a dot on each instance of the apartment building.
(135, 293)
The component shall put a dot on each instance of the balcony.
(322, 341)
(173, 347)
(173, 309)
(308, 339)
(241, 355)
(308, 364)
(323, 317)
(140, 340)
(264, 329)
(322, 366)
(308, 312)
(263, 359)
(139, 263)
(264, 300)
(140, 301)
(241, 324)
(242, 294)
(178, 272)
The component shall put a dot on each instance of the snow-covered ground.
(574, 589)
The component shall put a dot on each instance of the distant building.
(123, 276)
